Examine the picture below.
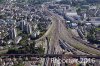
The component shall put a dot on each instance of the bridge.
(50, 55)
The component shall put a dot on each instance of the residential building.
(22, 24)
(12, 33)
(28, 28)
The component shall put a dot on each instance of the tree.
(32, 47)
(41, 50)
(87, 64)
(1, 1)
(12, 51)
(88, 19)
(19, 64)
(99, 26)
(78, 10)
